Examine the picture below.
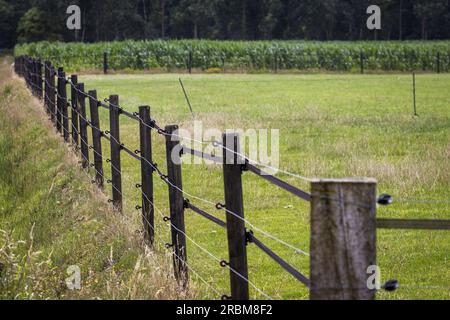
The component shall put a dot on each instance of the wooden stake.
(343, 238)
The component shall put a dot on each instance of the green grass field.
(330, 126)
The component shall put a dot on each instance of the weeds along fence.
(343, 212)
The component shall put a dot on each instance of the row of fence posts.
(343, 222)
(275, 62)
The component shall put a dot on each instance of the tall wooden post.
(176, 199)
(190, 60)
(361, 61)
(29, 73)
(51, 94)
(236, 232)
(105, 62)
(46, 87)
(438, 62)
(146, 172)
(96, 138)
(414, 94)
(59, 84)
(114, 113)
(39, 78)
(74, 106)
(83, 125)
(34, 77)
(343, 238)
(65, 112)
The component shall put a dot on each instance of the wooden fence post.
(73, 103)
(114, 129)
(52, 100)
(105, 62)
(96, 138)
(30, 74)
(46, 87)
(190, 58)
(236, 232)
(65, 113)
(276, 61)
(414, 94)
(176, 199)
(83, 125)
(146, 172)
(39, 78)
(438, 62)
(343, 238)
(33, 77)
(361, 61)
(59, 102)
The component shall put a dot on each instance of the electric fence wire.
(180, 231)
(150, 225)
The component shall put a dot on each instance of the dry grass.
(52, 217)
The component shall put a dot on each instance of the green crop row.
(252, 55)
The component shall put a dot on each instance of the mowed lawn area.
(330, 126)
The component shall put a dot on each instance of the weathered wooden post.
(52, 95)
(190, 60)
(35, 78)
(343, 238)
(59, 112)
(105, 62)
(83, 125)
(74, 106)
(414, 94)
(276, 61)
(234, 204)
(114, 130)
(176, 199)
(438, 62)
(65, 112)
(46, 87)
(146, 172)
(96, 138)
(361, 61)
(39, 78)
(30, 74)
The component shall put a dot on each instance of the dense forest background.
(105, 20)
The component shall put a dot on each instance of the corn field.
(250, 55)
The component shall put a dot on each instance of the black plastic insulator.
(220, 206)
(385, 199)
(391, 285)
(224, 263)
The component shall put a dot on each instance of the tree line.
(107, 20)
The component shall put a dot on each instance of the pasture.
(330, 126)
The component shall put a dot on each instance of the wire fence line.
(171, 225)
(331, 201)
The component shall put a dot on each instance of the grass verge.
(51, 218)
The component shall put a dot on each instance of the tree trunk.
(400, 21)
(244, 20)
(144, 8)
(424, 28)
(195, 31)
(163, 18)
